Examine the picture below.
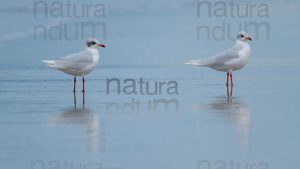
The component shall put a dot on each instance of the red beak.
(249, 38)
(101, 45)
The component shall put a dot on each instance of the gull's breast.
(241, 61)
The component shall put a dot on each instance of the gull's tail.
(196, 63)
(50, 63)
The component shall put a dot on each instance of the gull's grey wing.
(223, 57)
(218, 60)
(76, 61)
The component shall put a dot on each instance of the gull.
(78, 64)
(229, 60)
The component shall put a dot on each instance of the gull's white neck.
(243, 49)
(95, 54)
(241, 45)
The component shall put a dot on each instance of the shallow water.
(44, 125)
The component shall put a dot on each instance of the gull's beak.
(249, 38)
(101, 45)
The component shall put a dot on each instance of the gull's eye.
(93, 43)
(242, 36)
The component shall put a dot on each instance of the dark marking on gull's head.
(243, 36)
(93, 43)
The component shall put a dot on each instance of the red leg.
(227, 91)
(231, 78)
(74, 101)
(74, 89)
(227, 78)
(83, 99)
(83, 89)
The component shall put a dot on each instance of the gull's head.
(243, 36)
(94, 43)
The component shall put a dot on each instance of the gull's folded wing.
(75, 62)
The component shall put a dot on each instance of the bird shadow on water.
(80, 117)
(233, 110)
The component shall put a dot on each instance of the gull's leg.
(83, 99)
(74, 101)
(231, 79)
(227, 78)
(83, 89)
(74, 89)
(227, 92)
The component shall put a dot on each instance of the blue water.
(199, 127)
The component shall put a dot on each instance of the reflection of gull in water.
(83, 117)
(236, 111)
